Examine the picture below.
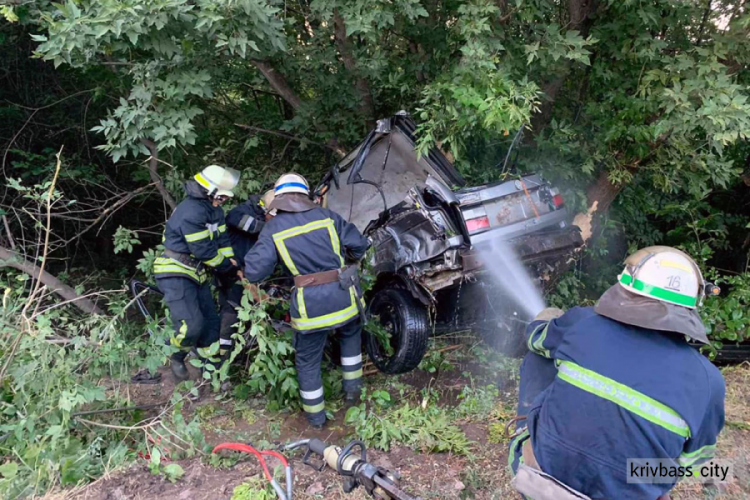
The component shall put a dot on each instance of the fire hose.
(379, 483)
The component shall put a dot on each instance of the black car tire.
(407, 321)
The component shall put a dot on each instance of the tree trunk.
(278, 83)
(153, 169)
(281, 86)
(599, 197)
(8, 258)
(367, 106)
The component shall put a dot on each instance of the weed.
(496, 433)
(477, 403)
(435, 361)
(255, 489)
(171, 472)
(427, 429)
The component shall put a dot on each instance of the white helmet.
(665, 274)
(291, 183)
(218, 181)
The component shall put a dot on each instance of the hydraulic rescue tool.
(378, 482)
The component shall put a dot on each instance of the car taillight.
(558, 201)
(477, 224)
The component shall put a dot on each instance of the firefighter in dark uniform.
(244, 223)
(196, 243)
(312, 242)
(619, 381)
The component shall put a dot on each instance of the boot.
(179, 370)
(352, 397)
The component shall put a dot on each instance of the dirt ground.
(483, 475)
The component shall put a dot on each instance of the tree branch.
(280, 85)
(153, 169)
(367, 106)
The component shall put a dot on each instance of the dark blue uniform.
(196, 243)
(598, 392)
(244, 223)
(309, 242)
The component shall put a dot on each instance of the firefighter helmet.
(665, 274)
(291, 183)
(265, 201)
(218, 181)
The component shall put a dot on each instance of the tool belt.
(184, 259)
(321, 278)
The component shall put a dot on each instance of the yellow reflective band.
(227, 251)
(301, 303)
(176, 340)
(329, 320)
(216, 260)
(623, 396)
(314, 408)
(353, 375)
(704, 453)
(335, 242)
(202, 180)
(279, 238)
(513, 445)
(286, 257)
(201, 235)
(223, 228)
(675, 265)
(297, 230)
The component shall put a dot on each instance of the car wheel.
(506, 338)
(406, 321)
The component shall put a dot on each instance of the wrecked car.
(427, 228)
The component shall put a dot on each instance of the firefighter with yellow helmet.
(244, 223)
(619, 381)
(196, 244)
(312, 243)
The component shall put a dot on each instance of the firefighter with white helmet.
(619, 381)
(312, 244)
(196, 244)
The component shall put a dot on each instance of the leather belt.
(321, 278)
(183, 258)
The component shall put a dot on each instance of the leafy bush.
(477, 403)
(255, 489)
(53, 366)
(427, 429)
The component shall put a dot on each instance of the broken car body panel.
(422, 219)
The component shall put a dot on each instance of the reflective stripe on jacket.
(196, 228)
(305, 243)
(621, 392)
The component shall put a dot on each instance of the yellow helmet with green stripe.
(665, 274)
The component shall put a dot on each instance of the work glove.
(228, 278)
(549, 313)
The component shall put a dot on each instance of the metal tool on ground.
(379, 483)
(283, 494)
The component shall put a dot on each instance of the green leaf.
(9, 470)
(173, 472)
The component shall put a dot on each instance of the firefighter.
(244, 223)
(195, 244)
(312, 243)
(619, 380)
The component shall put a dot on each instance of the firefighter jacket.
(195, 236)
(620, 392)
(244, 223)
(308, 242)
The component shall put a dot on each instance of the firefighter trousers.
(309, 355)
(537, 373)
(193, 312)
(229, 298)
